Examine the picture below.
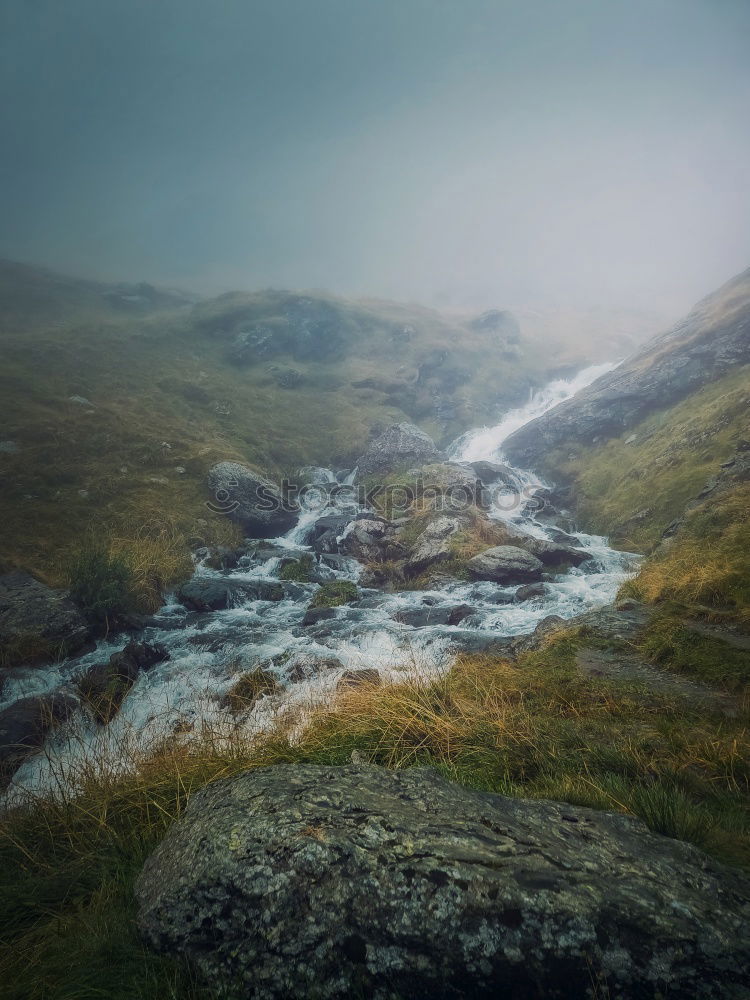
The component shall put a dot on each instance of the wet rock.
(326, 532)
(505, 564)
(316, 475)
(313, 881)
(493, 474)
(336, 562)
(216, 593)
(474, 641)
(372, 540)
(251, 500)
(437, 614)
(556, 554)
(105, 685)
(312, 666)
(248, 689)
(37, 622)
(223, 557)
(529, 591)
(25, 724)
(433, 545)
(359, 678)
(313, 616)
(400, 446)
(449, 486)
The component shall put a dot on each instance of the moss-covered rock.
(334, 594)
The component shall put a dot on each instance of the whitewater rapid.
(208, 651)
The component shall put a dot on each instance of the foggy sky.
(455, 152)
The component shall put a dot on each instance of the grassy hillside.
(632, 486)
(116, 400)
(653, 477)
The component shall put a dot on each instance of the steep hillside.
(657, 454)
(710, 342)
(117, 399)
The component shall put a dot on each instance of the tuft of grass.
(101, 583)
(708, 563)
(334, 594)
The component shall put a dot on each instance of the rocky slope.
(709, 343)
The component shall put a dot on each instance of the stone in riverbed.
(251, 500)
(505, 564)
(313, 881)
(439, 614)
(399, 446)
(217, 593)
(25, 724)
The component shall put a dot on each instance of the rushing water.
(209, 650)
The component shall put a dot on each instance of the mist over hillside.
(374, 500)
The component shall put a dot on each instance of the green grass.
(538, 729)
(334, 594)
(675, 452)
(298, 571)
(671, 643)
(168, 401)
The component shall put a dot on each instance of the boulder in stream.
(25, 724)
(251, 500)
(399, 446)
(505, 564)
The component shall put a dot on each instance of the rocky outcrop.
(446, 486)
(505, 564)
(37, 622)
(372, 540)
(707, 344)
(400, 446)
(331, 882)
(433, 546)
(251, 500)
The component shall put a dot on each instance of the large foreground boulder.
(253, 501)
(400, 446)
(330, 882)
(37, 622)
(506, 564)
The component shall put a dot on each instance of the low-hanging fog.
(456, 152)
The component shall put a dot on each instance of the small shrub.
(101, 583)
(334, 594)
